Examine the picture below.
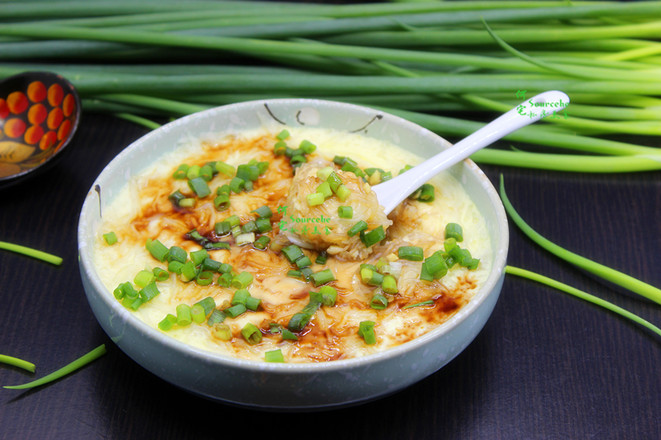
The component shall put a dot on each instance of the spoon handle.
(392, 192)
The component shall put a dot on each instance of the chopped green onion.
(366, 331)
(280, 148)
(379, 301)
(411, 253)
(322, 277)
(315, 199)
(303, 262)
(67, 369)
(199, 187)
(263, 212)
(294, 274)
(253, 303)
(297, 160)
(242, 280)
(389, 284)
(175, 267)
(426, 193)
(225, 168)
(334, 181)
(328, 295)
(168, 322)
(343, 192)
(248, 173)
(307, 147)
(184, 317)
(181, 172)
(207, 172)
(374, 236)
(188, 272)
(175, 253)
(222, 332)
(237, 185)
(204, 278)
(193, 172)
(250, 226)
(235, 310)
(324, 189)
(274, 356)
(143, 278)
(240, 297)
(262, 242)
(160, 274)
(176, 197)
(197, 314)
(208, 304)
(292, 253)
(157, 249)
(435, 266)
(222, 202)
(246, 238)
(263, 225)
(345, 212)
(110, 238)
(188, 202)
(251, 333)
(225, 280)
(454, 230)
(357, 228)
(211, 265)
(222, 227)
(149, 292)
(197, 257)
(370, 276)
(323, 173)
(284, 134)
(321, 258)
(216, 317)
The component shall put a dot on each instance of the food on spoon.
(203, 250)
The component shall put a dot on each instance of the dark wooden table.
(546, 366)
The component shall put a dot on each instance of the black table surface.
(545, 366)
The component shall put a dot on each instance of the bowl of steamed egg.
(240, 253)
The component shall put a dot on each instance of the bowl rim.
(219, 359)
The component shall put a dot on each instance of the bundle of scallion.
(448, 66)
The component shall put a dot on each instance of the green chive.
(237, 185)
(411, 253)
(343, 192)
(157, 249)
(110, 238)
(366, 331)
(204, 278)
(251, 334)
(242, 280)
(345, 212)
(315, 199)
(389, 284)
(307, 146)
(235, 310)
(160, 274)
(263, 212)
(253, 303)
(357, 228)
(168, 322)
(374, 236)
(284, 134)
(454, 230)
(143, 278)
(222, 332)
(197, 257)
(274, 356)
(328, 295)
(240, 297)
(181, 172)
(322, 277)
(199, 187)
(184, 317)
(262, 242)
(420, 304)
(379, 301)
(225, 169)
(208, 304)
(292, 252)
(216, 317)
(197, 314)
(222, 202)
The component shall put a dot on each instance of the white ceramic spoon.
(392, 192)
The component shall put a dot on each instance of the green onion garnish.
(426, 193)
(225, 168)
(263, 212)
(110, 238)
(222, 202)
(343, 192)
(242, 280)
(222, 332)
(454, 230)
(328, 295)
(251, 333)
(237, 185)
(199, 187)
(240, 297)
(357, 228)
(420, 304)
(274, 356)
(292, 252)
(322, 277)
(143, 278)
(67, 369)
(197, 314)
(379, 301)
(49, 258)
(411, 253)
(181, 172)
(157, 249)
(307, 147)
(16, 362)
(315, 199)
(284, 134)
(168, 322)
(208, 304)
(374, 236)
(345, 212)
(235, 310)
(262, 242)
(184, 317)
(389, 284)
(366, 331)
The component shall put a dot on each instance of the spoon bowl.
(392, 192)
(39, 114)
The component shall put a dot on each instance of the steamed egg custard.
(271, 246)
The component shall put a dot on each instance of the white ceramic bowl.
(288, 386)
